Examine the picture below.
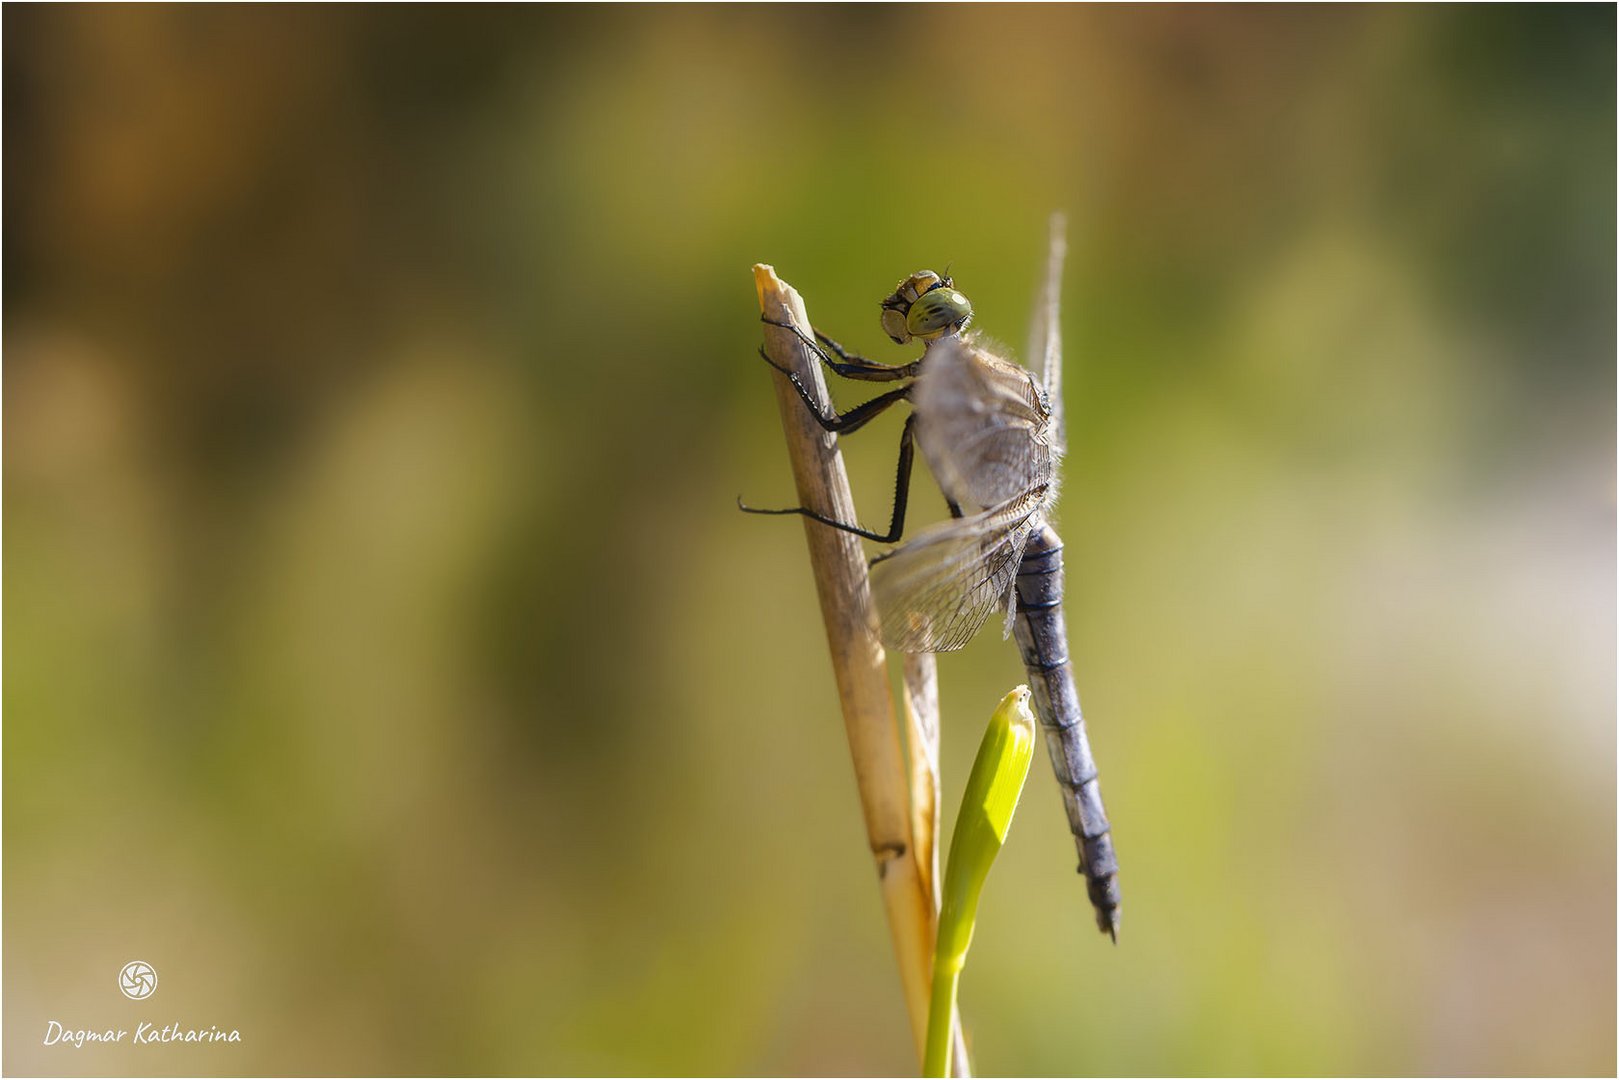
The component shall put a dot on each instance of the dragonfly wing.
(934, 593)
(1045, 339)
(986, 426)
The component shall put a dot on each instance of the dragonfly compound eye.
(897, 308)
(938, 311)
(894, 325)
(900, 301)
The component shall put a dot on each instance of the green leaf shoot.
(987, 806)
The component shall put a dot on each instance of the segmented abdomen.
(1043, 642)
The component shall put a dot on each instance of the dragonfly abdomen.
(1043, 641)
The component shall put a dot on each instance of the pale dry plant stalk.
(898, 780)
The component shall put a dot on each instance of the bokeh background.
(388, 665)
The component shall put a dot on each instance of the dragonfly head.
(925, 305)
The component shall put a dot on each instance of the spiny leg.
(902, 495)
(955, 512)
(851, 421)
(853, 366)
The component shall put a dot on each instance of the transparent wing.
(987, 431)
(1045, 338)
(935, 592)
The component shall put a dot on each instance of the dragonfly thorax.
(926, 306)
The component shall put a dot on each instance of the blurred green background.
(389, 666)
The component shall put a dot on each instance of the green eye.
(936, 311)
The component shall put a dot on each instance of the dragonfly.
(992, 433)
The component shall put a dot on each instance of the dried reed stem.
(905, 871)
(921, 689)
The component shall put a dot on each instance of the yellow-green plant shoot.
(987, 807)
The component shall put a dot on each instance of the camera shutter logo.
(138, 980)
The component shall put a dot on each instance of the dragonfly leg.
(855, 366)
(902, 495)
(851, 421)
(849, 365)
